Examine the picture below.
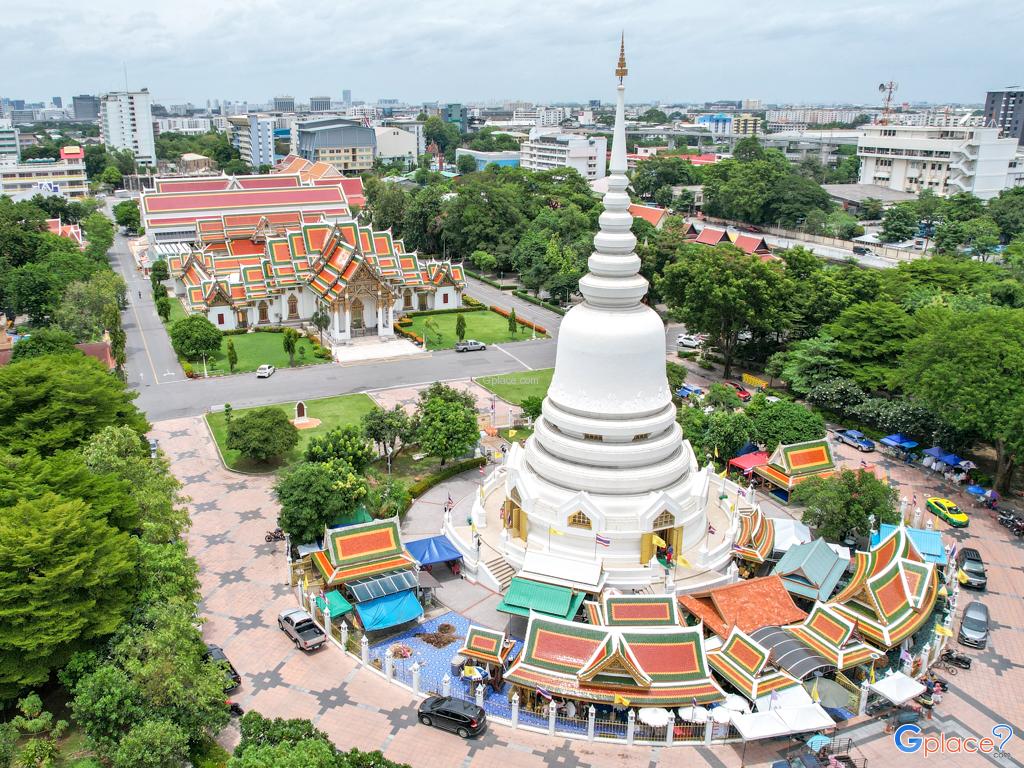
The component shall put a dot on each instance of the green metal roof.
(523, 595)
(336, 602)
(811, 570)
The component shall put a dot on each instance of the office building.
(48, 177)
(284, 104)
(545, 150)
(752, 104)
(345, 144)
(746, 125)
(457, 115)
(57, 102)
(253, 137)
(395, 145)
(508, 159)
(1005, 110)
(126, 122)
(944, 160)
(187, 126)
(718, 125)
(25, 116)
(319, 103)
(9, 150)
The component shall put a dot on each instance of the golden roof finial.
(620, 70)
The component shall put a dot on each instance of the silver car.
(300, 627)
(974, 625)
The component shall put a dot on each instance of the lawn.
(515, 387)
(255, 349)
(484, 325)
(340, 411)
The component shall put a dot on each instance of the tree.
(283, 744)
(111, 176)
(843, 505)
(447, 429)
(967, 368)
(870, 336)
(314, 494)
(460, 326)
(321, 319)
(348, 443)
(748, 149)
(723, 397)
(982, 235)
(232, 354)
(899, 223)
(723, 292)
(159, 272)
(720, 434)
(654, 116)
(126, 214)
(1007, 211)
(262, 434)
(871, 209)
(465, 164)
(290, 340)
(389, 207)
(963, 206)
(663, 196)
(839, 395)
(483, 261)
(194, 337)
(389, 430)
(809, 362)
(783, 422)
(90, 306)
(55, 403)
(68, 583)
(532, 406)
(45, 341)
(513, 326)
(152, 744)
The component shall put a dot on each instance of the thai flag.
(711, 529)
(863, 463)
(544, 694)
(604, 541)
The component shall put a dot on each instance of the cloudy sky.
(800, 51)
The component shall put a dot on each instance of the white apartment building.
(48, 177)
(253, 137)
(945, 160)
(544, 150)
(9, 150)
(813, 116)
(126, 122)
(187, 126)
(545, 117)
(939, 118)
(396, 145)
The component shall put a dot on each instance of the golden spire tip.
(620, 70)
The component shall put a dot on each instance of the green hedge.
(492, 283)
(422, 486)
(539, 302)
(469, 301)
(454, 311)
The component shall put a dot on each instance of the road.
(524, 309)
(831, 253)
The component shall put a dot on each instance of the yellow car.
(948, 511)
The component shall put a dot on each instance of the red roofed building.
(70, 231)
(651, 214)
(747, 605)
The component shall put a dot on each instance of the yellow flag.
(961, 576)
(620, 700)
(658, 541)
(512, 432)
(555, 532)
(305, 582)
(872, 674)
(943, 631)
(724, 472)
(716, 451)
(815, 697)
(683, 562)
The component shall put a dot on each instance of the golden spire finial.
(620, 70)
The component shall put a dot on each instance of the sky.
(799, 51)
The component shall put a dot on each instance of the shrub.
(188, 370)
(452, 311)
(348, 443)
(492, 283)
(469, 301)
(841, 395)
(525, 323)
(539, 302)
(422, 486)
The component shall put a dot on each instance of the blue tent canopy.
(748, 448)
(389, 611)
(952, 459)
(935, 452)
(899, 441)
(436, 549)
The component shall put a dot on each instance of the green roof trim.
(811, 570)
(358, 515)
(523, 595)
(336, 602)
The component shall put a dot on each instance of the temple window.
(579, 520)
(643, 436)
(598, 438)
(665, 520)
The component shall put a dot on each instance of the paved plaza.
(244, 586)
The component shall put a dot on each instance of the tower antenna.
(888, 89)
(125, 65)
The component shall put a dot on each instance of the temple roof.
(487, 645)
(362, 550)
(791, 464)
(757, 536)
(811, 570)
(830, 634)
(748, 604)
(637, 611)
(744, 663)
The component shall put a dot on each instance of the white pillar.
(344, 636)
(630, 725)
(670, 731)
(364, 650)
(591, 717)
(479, 695)
(515, 710)
(327, 623)
(389, 665)
(552, 713)
(446, 685)
(862, 702)
(708, 731)
(416, 678)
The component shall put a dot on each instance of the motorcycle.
(1007, 519)
(275, 535)
(956, 658)
(235, 709)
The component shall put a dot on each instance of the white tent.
(806, 718)
(760, 725)
(789, 533)
(897, 688)
(795, 696)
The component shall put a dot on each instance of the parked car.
(689, 389)
(744, 395)
(265, 371)
(470, 345)
(856, 439)
(461, 717)
(972, 569)
(688, 341)
(974, 625)
(300, 627)
(231, 677)
(948, 511)
(862, 250)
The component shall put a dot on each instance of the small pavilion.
(791, 464)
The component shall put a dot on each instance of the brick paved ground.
(244, 586)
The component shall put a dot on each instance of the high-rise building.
(746, 125)
(546, 149)
(345, 144)
(594, 104)
(126, 122)
(86, 107)
(456, 114)
(253, 137)
(49, 177)
(1005, 110)
(319, 103)
(57, 101)
(284, 104)
(346, 97)
(9, 150)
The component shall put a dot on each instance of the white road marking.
(514, 357)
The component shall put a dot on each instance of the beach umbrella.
(694, 714)
(817, 741)
(721, 715)
(736, 703)
(654, 716)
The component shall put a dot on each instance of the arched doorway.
(264, 316)
(407, 301)
(293, 307)
(357, 314)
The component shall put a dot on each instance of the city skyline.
(532, 52)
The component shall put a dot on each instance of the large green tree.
(314, 494)
(194, 337)
(783, 422)
(967, 367)
(262, 434)
(389, 430)
(45, 341)
(347, 443)
(447, 429)
(843, 505)
(869, 338)
(899, 223)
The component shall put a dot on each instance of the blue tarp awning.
(436, 549)
(900, 441)
(952, 459)
(748, 448)
(935, 452)
(389, 611)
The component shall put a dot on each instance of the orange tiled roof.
(749, 605)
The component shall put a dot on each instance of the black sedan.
(461, 717)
